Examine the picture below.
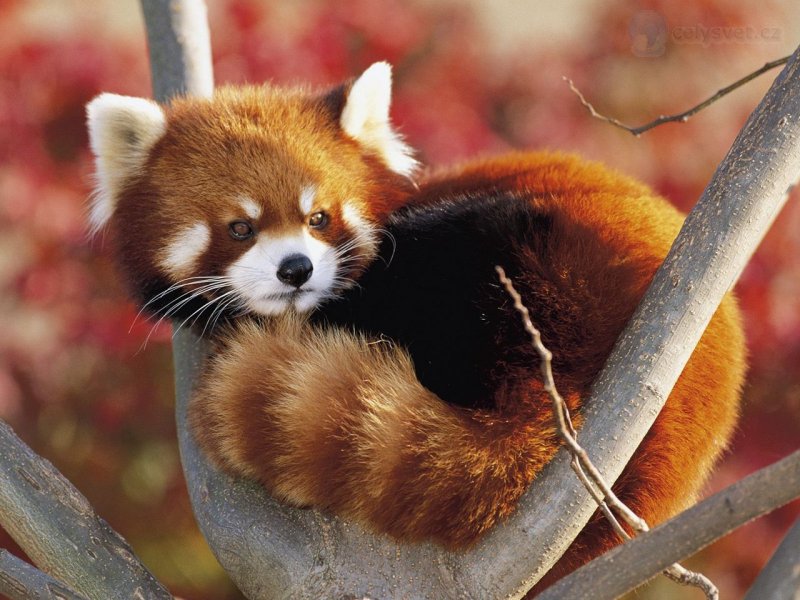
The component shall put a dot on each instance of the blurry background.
(76, 380)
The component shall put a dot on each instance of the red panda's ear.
(365, 118)
(122, 131)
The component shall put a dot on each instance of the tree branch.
(55, 525)
(21, 581)
(680, 117)
(780, 579)
(180, 48)
(631, 564)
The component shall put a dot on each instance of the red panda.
(385, 376)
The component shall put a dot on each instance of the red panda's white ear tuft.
(122, 131)
(365, 118)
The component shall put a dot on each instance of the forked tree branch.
(679, 117)
(272, 551)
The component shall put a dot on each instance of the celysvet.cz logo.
(650, 34)
(699, 34)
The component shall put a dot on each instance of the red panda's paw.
(328, 419)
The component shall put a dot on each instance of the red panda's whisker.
(392, 239)
(348, 260)
(174, 287)
(187, 297)
(340, 282)
(220, 310)
(196, 314)
(210, 302)
(179, 284)
(172, 308)
(176, 304)
(360, 240)
(235, 300)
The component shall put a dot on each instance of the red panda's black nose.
(295, 269)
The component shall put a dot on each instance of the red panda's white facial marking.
(353, 217)
(263, 288)
(181, 253)
(365, 234)
(307, 197)
(251, 208)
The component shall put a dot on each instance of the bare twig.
(680, 117)
(646, 555)
(606, 498)
(21, 581)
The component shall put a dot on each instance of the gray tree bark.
(780, 579)
(21, 581)
(58, 529)
(180, 48)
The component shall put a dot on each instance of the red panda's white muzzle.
(286, 272)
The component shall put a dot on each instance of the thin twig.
(680, 117)
(606, 499)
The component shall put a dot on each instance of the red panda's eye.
(318, 220)
(241, 230)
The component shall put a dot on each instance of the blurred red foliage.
(76, 381)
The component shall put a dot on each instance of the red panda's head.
(262, 199)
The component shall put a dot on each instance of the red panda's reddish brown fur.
(367, 441)
(333, 419)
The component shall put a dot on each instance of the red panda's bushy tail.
(363, 439)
